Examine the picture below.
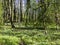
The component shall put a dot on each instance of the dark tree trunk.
(14, 13)
(21, 10)
(12, 23)
(11, 15)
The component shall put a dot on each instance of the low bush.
(9, 40)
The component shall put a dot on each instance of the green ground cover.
(31, 37)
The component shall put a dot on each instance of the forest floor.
(34, 36)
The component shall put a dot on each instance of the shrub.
(9, 40)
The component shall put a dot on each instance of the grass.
(8, 40)
(35, 37)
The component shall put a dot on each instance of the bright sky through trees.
(17, 2)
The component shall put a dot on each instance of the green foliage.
(1, 12)
(45, 12)
(8, 40)
(30, 38)
(49, 9)
(33, 37)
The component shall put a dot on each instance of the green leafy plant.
(8, 40)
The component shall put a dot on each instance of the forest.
(29, 22)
